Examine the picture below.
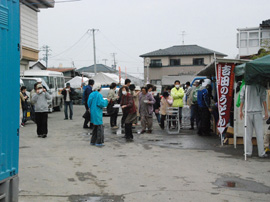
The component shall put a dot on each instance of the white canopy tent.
(76, 82)
(107, 78)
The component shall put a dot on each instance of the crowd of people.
(142, 103)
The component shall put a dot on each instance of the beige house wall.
(186, 67)
(158, 72)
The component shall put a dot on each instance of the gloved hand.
(268, 121)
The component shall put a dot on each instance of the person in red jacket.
(128, 107)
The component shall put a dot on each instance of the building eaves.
(182, 50)
(38, 4)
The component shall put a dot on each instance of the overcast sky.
(134, 27)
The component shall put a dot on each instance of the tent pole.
(246, 90)
(215, 59)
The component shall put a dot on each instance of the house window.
(175, 62)
(155, 63)
(198, 61)
(253, 42)
(156, 82)
(243, 43)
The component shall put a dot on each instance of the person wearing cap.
(193, 104)
(68, 94)
(41, 110)
(96, 103)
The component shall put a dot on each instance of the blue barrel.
(9, 87)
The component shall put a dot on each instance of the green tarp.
(240, 69)
(258, 71)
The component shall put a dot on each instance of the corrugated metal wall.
(29, 27)
(9, 87)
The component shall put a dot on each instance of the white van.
(29, 83)
(55, 81)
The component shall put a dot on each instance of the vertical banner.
(119, 70)
(225, 84)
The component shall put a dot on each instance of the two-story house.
(251, 40)
(177, 60)
(29, 29)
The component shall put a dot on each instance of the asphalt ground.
(154, 167)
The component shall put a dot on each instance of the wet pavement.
(154, 167)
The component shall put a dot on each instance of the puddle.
(153, 140)
(25, 147)
(239, 184)
(175, 143)
(95, 198)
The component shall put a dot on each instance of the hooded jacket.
(177, 95)
(96, 103)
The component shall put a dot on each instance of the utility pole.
(114, 61)
(105, 60)
(94, 47)
(46, 49)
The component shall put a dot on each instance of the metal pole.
(94, 47)
(246, 123)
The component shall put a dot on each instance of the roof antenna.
(183, 37)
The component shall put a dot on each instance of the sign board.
(225, 83)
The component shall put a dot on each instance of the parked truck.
(9, 101)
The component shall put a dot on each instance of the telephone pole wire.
(94, 47)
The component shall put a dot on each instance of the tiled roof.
(61, 69)
(182, 50)
(100, 68)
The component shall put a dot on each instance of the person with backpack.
(203, 100)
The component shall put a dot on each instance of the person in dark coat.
(68, 94)
(127, 84)
(157, 103)
(88, 90)
(129, 108)
(24, 104)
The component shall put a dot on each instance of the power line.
(70, 46)
(117, 47)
